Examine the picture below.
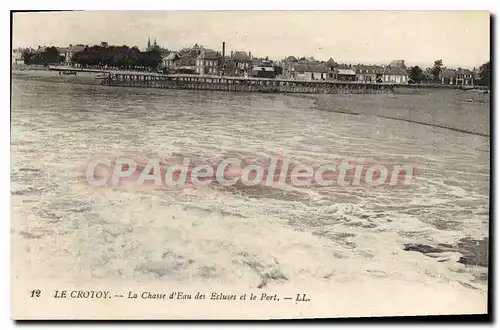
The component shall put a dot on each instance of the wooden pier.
(234, 84)
(243, 84)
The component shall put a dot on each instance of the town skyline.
(461, 39)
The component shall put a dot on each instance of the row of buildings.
(198, 60)
(310, 69)
(395, 72)
(204, 61)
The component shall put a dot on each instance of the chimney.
(231, 53)
(250, 55)
(223, 53)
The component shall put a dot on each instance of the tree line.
(433, 75)
(49, 55)
(120, 57)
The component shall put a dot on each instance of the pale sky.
(459, 38)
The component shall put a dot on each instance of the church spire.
(149, 42)
(154, 43)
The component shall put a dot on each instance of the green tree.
(51, 55)
(121, 57)
(485, 72)
(45, 57)
(27, 56)
(436, 69)
(416, 74)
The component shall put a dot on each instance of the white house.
(306, 71)
(17, 56)
(170, 59)
(68, 52)
(394, 74)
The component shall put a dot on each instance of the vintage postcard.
(249, 164)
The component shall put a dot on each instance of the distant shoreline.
(478, 88)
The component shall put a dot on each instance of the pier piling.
(243, 84)
(233, 84)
